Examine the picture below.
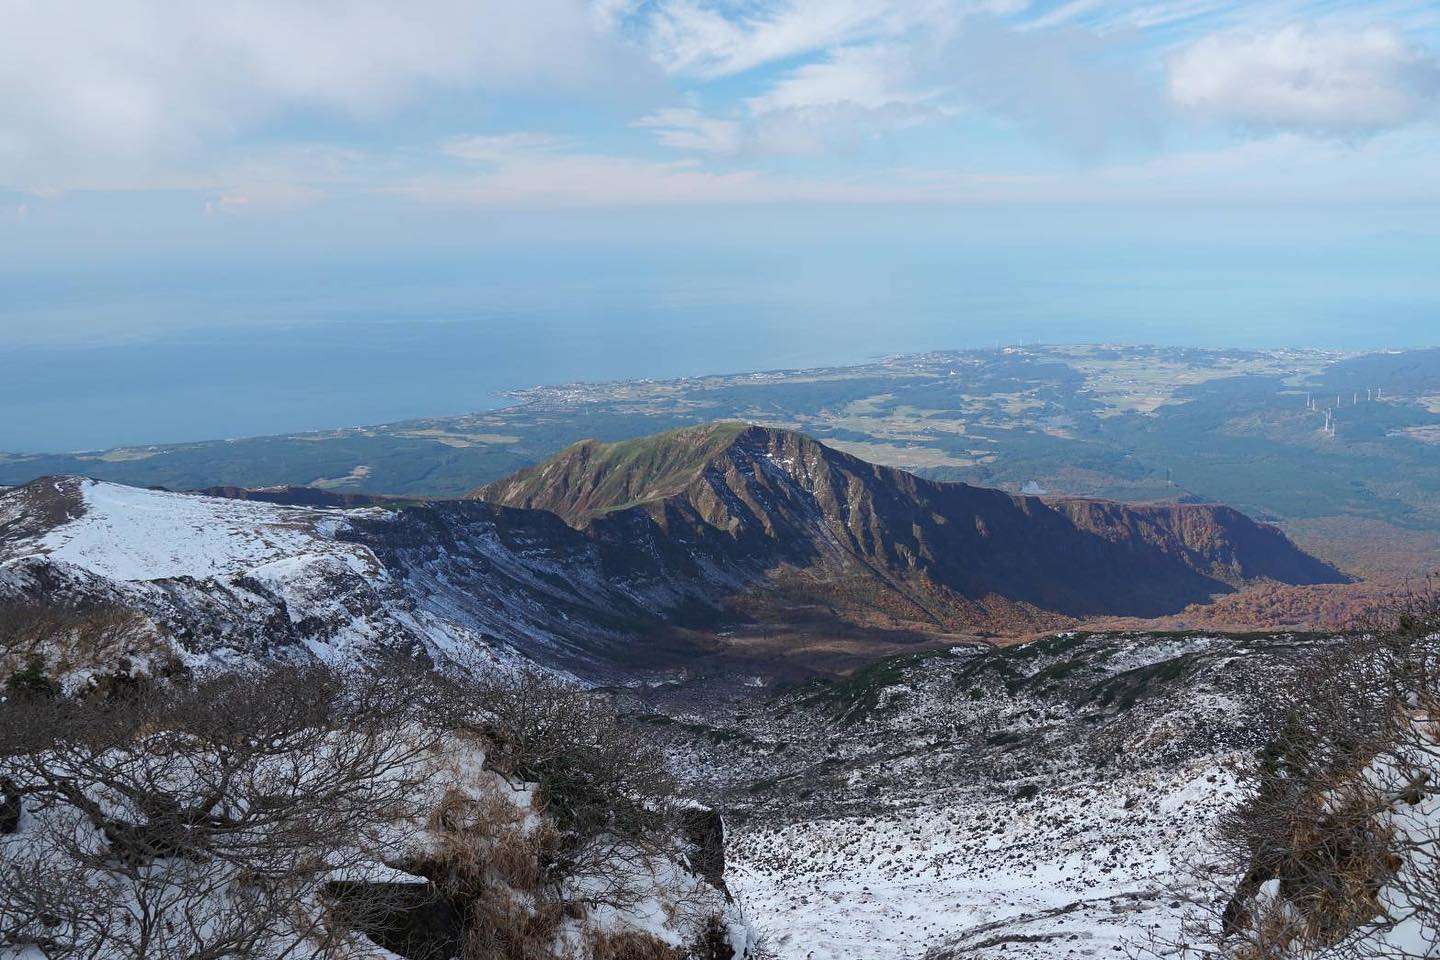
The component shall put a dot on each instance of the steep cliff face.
(613, 557)
(228, 581)
(853, 533)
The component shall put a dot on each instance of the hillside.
(747, 543)
(831, 529)
(231, 581)
(1037, 802)
(1130, 423)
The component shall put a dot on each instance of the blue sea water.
(189, 351)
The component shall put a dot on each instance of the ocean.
(160, 353)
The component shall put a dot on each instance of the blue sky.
(200, 135)
(255, 105)
(248, 216)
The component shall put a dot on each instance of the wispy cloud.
(687, 129)
(264, 105)
(502, 147)
(708, 39)
(1067, 85)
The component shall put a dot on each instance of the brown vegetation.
(241, 815)
(59, 638)
(790, 521)
(1328, 855)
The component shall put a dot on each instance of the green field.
(1123, 422)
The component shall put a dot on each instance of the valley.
(942, 720)
(1051, 800)
(1128, 423)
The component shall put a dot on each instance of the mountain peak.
(844, 533)
(591, 478)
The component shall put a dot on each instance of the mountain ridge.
(757, 544)
(960, 554)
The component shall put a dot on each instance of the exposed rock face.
(611, 557)
(705, 829)
(411, 920)
(851, 534)
(10, 807)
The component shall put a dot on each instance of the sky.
(246, 106)
(175, 169)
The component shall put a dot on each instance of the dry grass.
(484, 840)
(501, 926)
(629, 945)
(1325, 866)
(1333, 868)
(65, 638)
(492, 863)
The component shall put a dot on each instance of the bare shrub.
(606, 788)
(249, 814)
(610, 829)
(1330, 855)
(201, 820)
(57, 638)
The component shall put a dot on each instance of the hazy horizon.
(267, 216)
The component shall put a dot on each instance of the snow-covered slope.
(128, 533)
(232, 580)
(222, 580)
(1044, 801)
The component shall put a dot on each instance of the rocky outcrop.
(411, 920)
(756, 501)
(704, 828)
(10, 807)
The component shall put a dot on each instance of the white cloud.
(1074, 88)
(258, 105)
(502, 146)
(855, 94)
(684, 128)
(1335, 80)
(1282, 168)
(526, 175)
(705, 38)
(97, 86)
(1062, 83)
(263, 197)
(528, 178)
(872, 76)
(1285, 167)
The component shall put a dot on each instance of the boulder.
(411, 920)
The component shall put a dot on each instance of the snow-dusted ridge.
(226, 581)
(134, 534)
(231, 580)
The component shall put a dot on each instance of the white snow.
(127, 533)
(1075, 871)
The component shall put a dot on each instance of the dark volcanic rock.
(412, 920)
(705, 829)
(10, 807)
(865, 538)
